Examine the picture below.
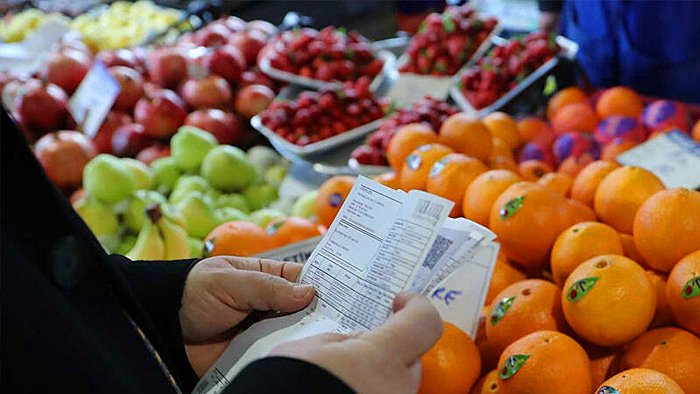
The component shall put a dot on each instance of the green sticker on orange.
(580, 288)
(437, 168)
(512, 365)
(413, 161)
(691, 288)
(608, 390)
(511, 207)
(500, 309)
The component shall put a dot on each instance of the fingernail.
(301, 291)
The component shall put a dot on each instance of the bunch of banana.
(160, 239)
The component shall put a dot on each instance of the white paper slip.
(674, 157)
(410, 88)
(298, 252)
(93, 99)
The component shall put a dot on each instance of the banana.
(149, 244)
(175, 240)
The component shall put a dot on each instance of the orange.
(502, 126)
(608, 300)
(579, 243)
(483, 191)
(389, 179)
(621, 101)
(572, 165)
(545, 362)
(667, 227)
(532, 170)
(612, 149)
(452, 365)
(640, 381)
(290, 230)
(669, 350)
(237, 239)
(504, 275)
(604, 361)
(527, 218)
(683, 292)
(466, 134)
(500, 149)
(407, 139)
(451, 175)
(586, 182)
(488, 384)
(532, 129)
(629, 249)
(663, 315)
(331, 196)
(575, 117)
(488, 351)
(621, 193)
(503, 163)
(522, 308)
(564, 97)
(560, 183)
(416, 167)
(580, 212)
(696, 131)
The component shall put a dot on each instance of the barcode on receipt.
(428, 209)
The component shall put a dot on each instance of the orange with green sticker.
(608, 390)
(511, 207)
(691, 288)
(512, 365)
(580, 288)
(500, 309)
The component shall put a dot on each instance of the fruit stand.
(232, 137)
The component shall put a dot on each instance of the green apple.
(143, 174)
(233, 200)
(99, 217)
(212, 195)
(186, 185)
(135, 214)
(126, 244)
(165, 173)
(195, 245)
(275, 175)
(305, 205)
(228, 169)
(190, 145)
(263, 157)
(199, 216)
(228, 214)
(260, 196)
(173, 214)
(262, 217)
(108, 179)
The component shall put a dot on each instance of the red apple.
(256, 78)
(224, 125)
(66, 68)
(263, 26)
(226, 61)
(212, 35)
(63, 155)
(209, 92)
(160, 112)
(167, 66)
(42, 106)
(252, 99)
(131, 84)
(249, 43)
(103, 137)
(153, 152)
(129, 139)
(119, 57)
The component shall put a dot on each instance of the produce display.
(445, 42)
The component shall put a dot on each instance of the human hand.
(384, 360)
(220, 292)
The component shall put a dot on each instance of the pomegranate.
(226, 61)
(223, 125)
(256, 78)
(41, 106)
(235, 24)
(129, 139)
(263, 26)
(167, 66)
(119, 57)
(209, 92)
(64, 154)
(249, 43)
(103, 137)
(66, 68)
(131, 84)
(153, 152)
(160, 112)
(252, 99)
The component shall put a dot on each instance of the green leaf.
(608, 390)
(447, 23)
(342, 30)
(391, 108)
(580, 288)
(500, 309)
(512, 365)
(691, 288)
(511, 207)
(550, 85)
(349, 54)
(421, 27)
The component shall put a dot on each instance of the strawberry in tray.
(428, 110)
(327, 55)
(505, 66)
(445, 42)
(315, 116)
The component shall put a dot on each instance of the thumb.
(262, 291)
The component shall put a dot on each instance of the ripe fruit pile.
(428, 110)
(445, 42)
(327, 55)
(315, 116)
(504, 66)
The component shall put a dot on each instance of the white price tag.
(674, 157)
(93, 99)
(410, 88)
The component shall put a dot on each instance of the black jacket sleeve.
(550, 5)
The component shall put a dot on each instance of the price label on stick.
(94, 97)
(410, 88)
